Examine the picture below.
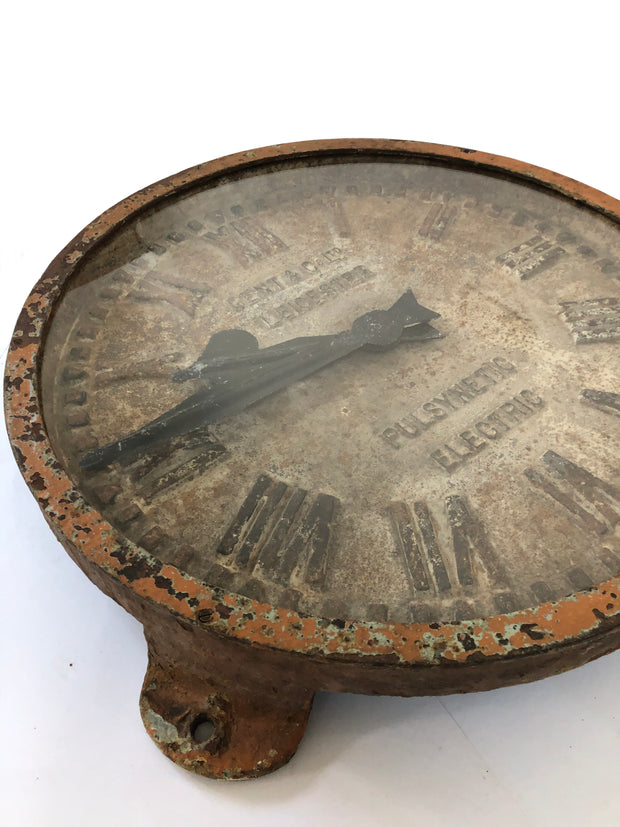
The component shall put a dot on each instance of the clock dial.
(448, 465)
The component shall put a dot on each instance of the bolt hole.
(203, 729)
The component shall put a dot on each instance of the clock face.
(374, 389)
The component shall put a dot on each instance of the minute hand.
(240, 381)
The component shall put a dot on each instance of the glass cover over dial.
(375, 388)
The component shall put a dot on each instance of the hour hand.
(239, 373)
(237, 351)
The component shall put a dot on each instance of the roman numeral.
(155, 473)
(245, 241)
(415, 563)
(251, 232)
(605, 401)
(594, 502)
(438, 219)
(185, 470)
(470, 551)
(428, 537)
(278, 535)
(158, 368)
(338, 219)
(178, 459)
(531, 257)
(593, 320)
(470, 541)
(183, 298)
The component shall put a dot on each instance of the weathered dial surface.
(467, 469)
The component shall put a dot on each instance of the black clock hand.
(233, 349)
(250, 376)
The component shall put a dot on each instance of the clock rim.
(119, 566)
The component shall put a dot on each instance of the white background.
(101, 99)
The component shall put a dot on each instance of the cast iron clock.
(340, 415)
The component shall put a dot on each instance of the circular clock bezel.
(116, 564)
